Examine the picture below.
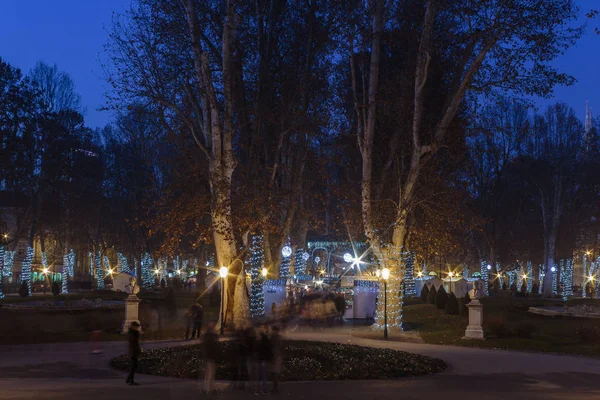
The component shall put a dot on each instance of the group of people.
(194, 319)
(259, 357)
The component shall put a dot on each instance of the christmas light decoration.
(107, 264)
(529, 276)
(409, 274)
(99, 272)
(568, 280)
(585, 273)
(1, 270)
(256, 261)
(68, 270)
(347, 257)
(554, 271)
(465, 272)
(392, 260)
(147, 265)
(300, 262)
(284, 267)
(123, 264)
(26, 269)
(9, 260)
(366, 286)
(519, 276)
(485, 268)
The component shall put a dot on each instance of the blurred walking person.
(277, 356)
(265, 357)
(198, 317)
(133, 339)
(210, 346)
(247, 339)
(189, 321)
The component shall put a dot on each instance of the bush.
(525, 330)
(535, 288)
(23, 289)
(452, 304)
(589, 334)
(431, 295)
(497, 327)
(441, 298)
(55, 289)
(424, 293)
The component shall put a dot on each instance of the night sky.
(71, 34)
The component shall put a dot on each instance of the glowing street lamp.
(378, 273)
(385, 274)
(450, 274)
(264, 272)
(223, 273)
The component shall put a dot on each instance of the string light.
(485, 268)
(409, 274)
(554, 279)
(300, 262)
(1, 270)
(99, 272)
(123, 264)
(147, 265)
(585, 273)
(530, 276)
(26, 269)
(391, 258)
(568, 280)
(284, 267)
(257, 275)
(68, 270)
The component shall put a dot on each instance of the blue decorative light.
(68, 270)
(409, 274)
(26, 268)
(485, 268)
(99, 271)
(284, 267)
(300, 262)
(256, 261)
(147, 271)
(1, 270)
(529, 276)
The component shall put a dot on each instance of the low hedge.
(303, 361)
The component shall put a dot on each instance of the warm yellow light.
(588, 252)
(590, 278)
(450, 274)
(110, 271)
(419, 274)
(178, 272)
(378, 273)
(5, 236)
(385, 273)
(264, 272)
(156, 271)
(524, 276)
(223, 272)
(45, 271)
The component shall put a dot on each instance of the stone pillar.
(132, 304)
(475, 329)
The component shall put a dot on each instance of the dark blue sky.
(71, 34)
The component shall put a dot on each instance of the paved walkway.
(69, 371)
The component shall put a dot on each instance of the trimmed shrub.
(55, 289)
(452, 304)
(23, 289)
(589, 334)
(441, 298)
(431, 295)
(525, 330)
(497, 327)
(424, 293)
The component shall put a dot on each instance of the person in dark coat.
(246, 338)
(189, 321)
(133, 338)
(198, 317)
(210, 346)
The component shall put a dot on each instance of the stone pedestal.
(475, 328)
(132, 304)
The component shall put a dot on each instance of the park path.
(70, 371)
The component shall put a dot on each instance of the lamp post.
(223, 273)
(45, 272)
(385, 274)
(450, 274)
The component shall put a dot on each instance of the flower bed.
(303, 361)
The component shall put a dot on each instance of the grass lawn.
(302, 361)
(508, 325)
